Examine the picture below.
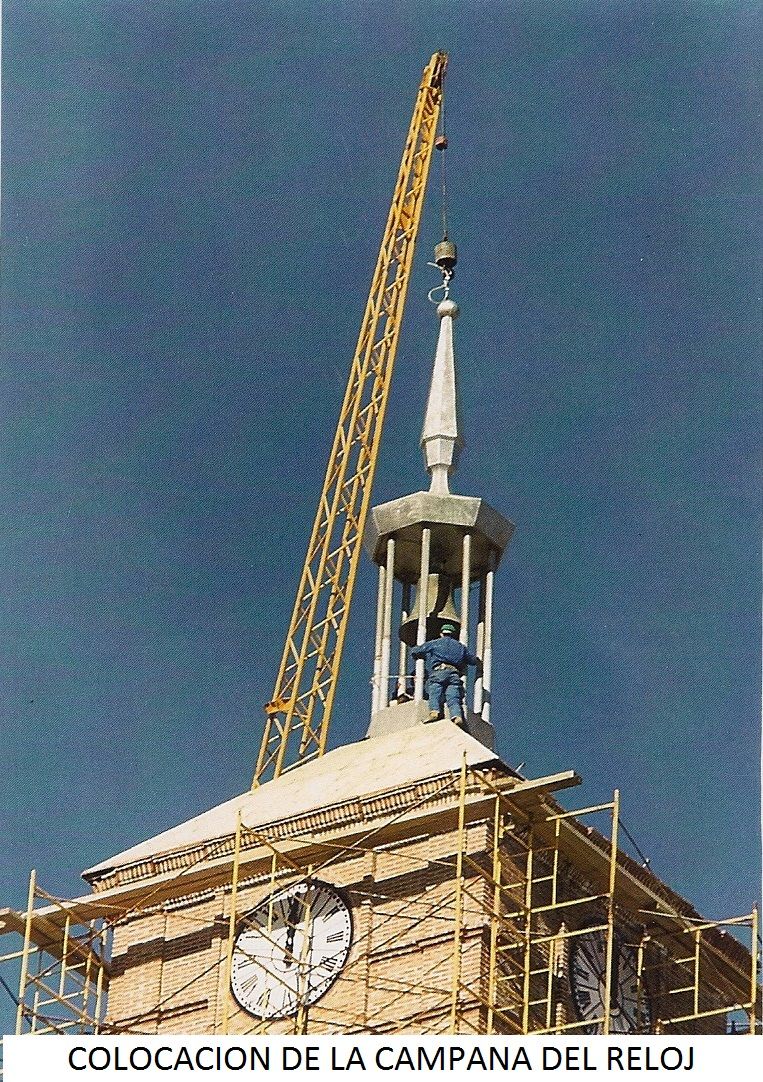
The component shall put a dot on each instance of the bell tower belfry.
(437, 554)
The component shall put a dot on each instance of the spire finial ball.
(448, 308)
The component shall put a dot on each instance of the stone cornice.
(430, 793)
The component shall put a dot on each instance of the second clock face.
(292, 950)
(629, 1007)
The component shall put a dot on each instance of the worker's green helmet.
(449, 629)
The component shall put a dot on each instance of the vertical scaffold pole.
(754, 969)
(231, 925)
(273, 877)
(640, 975)
(263, 1025)
(99, 990)
(697, 939)
(303, 963)
(562, 958)
(529, 873)
(459, 902)
(611, 912)
(88, 990)
(495, 917)
(36, 998)
(25, 951)
(64, 952)
(552, 948)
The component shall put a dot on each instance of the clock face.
(629, 1010)
(291, 951)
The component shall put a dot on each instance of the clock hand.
(614, 996)
(291, 919)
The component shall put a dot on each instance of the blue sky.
(193, 196)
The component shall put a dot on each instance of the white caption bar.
(67, 1059)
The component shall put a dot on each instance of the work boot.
(460, 721)
(434, 715)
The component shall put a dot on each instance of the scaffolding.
(61, 965)
(468, 904)
(537, 914)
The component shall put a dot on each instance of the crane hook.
(444, 285)
(445, 259)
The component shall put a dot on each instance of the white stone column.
(421, 630)
(376, 684)
(480, 647)
(487, 659)
(403, 656)
(389, 585)
(466, 575)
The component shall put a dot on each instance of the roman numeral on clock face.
(289, 1005)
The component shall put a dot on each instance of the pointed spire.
(441, 439)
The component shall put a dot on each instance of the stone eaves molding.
(431, 793)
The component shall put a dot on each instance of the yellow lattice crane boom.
(297, 718)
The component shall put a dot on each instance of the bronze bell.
(446, 256)
(440, 610)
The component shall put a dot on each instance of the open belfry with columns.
(410, 881)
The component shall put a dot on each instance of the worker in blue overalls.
(445, 662)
